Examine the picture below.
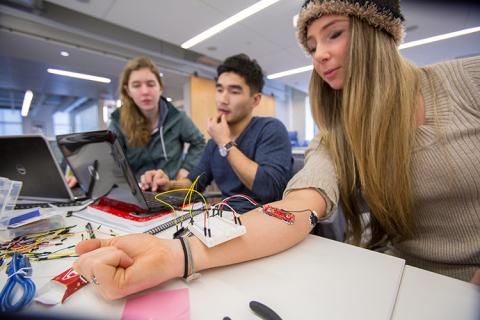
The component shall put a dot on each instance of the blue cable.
(19, 271)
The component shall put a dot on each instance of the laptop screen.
(100, 166)
(28, 158)
(58, 155)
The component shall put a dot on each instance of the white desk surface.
(428, 295)
(317, 279)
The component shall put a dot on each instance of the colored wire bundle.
(188, 199)
(216, 208)
(224, 202)
(30, 243)
(19, 272)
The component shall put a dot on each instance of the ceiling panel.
(172, 21)
(229, 7)
(268, 36)
(46, 51)
(442, 50)
(437, 17)
(93, 8)
(243, 41)
(263, 35)
(275, 23)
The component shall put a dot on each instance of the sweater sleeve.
(318, 172)
(472, 70)
(191, 134)
(274, 158)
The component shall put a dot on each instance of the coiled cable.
(19, 272)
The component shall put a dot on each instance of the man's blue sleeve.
(274, 158)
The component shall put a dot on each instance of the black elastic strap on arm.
(185, 258)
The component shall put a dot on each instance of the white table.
(428, 295)
(317, 279)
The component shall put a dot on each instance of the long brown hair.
(369, 129)
(132, 121)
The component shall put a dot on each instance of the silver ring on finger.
(94, 281)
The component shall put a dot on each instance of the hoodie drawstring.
(163, 143)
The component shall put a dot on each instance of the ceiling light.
(27, 101)
(402, 46)
(79, 75)
(289, 72)
(439, 38)
(64, 53)
(118, 103)
(295, 20)
(169, 99)
(260, 5)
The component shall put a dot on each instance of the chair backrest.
(333, 227)
(293, 136)
(298, 161)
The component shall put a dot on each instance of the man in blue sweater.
(246, 154)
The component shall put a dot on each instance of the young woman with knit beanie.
(397, 141)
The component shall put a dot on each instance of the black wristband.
(185, 258)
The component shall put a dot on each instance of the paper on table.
(171, 304)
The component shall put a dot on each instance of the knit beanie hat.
(385, 15)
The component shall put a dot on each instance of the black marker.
(263, 311)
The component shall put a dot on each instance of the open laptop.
(29, 158)
(99, 163)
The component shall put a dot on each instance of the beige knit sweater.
(445, 171)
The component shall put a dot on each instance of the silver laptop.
(29, 158)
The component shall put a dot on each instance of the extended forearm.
(265, 235)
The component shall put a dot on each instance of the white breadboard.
(221, 230)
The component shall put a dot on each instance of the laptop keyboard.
(30, 205)
(152, 203)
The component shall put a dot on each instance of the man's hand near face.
(217, 128)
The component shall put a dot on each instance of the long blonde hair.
(132, 121)
(369, 129)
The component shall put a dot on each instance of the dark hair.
(245, 67)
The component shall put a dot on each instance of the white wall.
(298, 114)
(291, 111)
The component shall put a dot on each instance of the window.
(10, 122)
(61, 123)
(310, 128)
(87, 119)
